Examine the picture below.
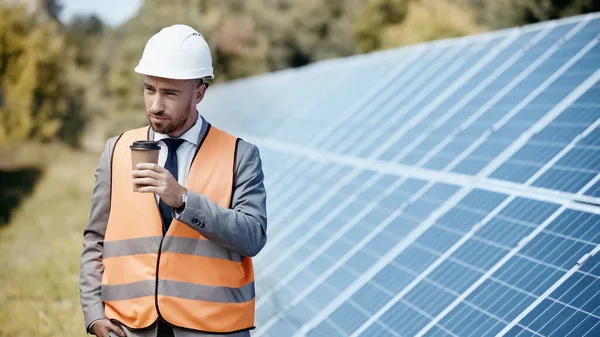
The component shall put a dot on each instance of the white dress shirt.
(185, 152)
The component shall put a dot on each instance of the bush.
(37, 101)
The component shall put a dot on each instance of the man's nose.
(157, 104)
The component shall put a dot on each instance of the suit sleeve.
(91, 268)
(243, 228)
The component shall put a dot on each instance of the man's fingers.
(145, 174)
(148, 189)
(146, 181)
(100, 328)
(114, 328)
(149, 166)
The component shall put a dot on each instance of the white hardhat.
(177, 52)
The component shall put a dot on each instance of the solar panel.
(449, 188)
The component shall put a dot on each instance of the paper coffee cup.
(143, 151)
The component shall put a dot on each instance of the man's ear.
(199, 93)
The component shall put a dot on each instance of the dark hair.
(199, 82)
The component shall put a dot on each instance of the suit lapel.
(203, 130)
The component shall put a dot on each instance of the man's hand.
(103, 327)
(158, 180)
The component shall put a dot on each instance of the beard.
(169, 124)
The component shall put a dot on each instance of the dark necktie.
(171, 166)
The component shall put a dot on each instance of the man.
(175, 257)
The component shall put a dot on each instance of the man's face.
(170, 103)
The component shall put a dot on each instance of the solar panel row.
(443, 189)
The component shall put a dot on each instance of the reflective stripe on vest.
(200, 285)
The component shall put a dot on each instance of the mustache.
(158, 115)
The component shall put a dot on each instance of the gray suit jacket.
(241, 229)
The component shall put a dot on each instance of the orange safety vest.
(190, 282)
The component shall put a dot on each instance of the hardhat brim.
(176, 74)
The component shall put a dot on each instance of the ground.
(50, 188)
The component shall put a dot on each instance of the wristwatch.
(184, 200)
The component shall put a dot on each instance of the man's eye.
(171, 94)
(149, 89)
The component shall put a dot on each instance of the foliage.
(510, 13)
(31, 68)
(383, 24)
(39, 100)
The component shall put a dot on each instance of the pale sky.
(111, 12)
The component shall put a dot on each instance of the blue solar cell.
(503, 231)
(582, 112)
(283, 327)
(415, 259)
(421, 209)
(403, 319)
(348, 318)
(448, 153)
(559, 133)
(581, 158)
(471, 165)
(321, 296)
(319, 265)
(594, 190)
(592, 139)
(566, 180)
(363, 177)
(461, 219)
(376, 216)
(511, 130)
(454, 276)
(411, 158)
(341, 278)
(516, 171)
(439, 239)
(440, 161)
(429, 298)
(437, 331)
(393, 278)
(402, 225)
(528, 275)
(462, 324)
(500, 299)
(348, 189)
(301, 281)
(323, 329)
(393, 201)
(481, 156)
(370, 194)
(371, 298)
(387, 180)
(360, 262)
(381, 243)
(578, 225)
(376, 330)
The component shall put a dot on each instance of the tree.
(84, 33)
(383, 24)
(510, 13)
(34, 66)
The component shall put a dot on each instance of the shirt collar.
(191, 135)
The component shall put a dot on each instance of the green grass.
(41, 245)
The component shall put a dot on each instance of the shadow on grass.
(15, 186)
